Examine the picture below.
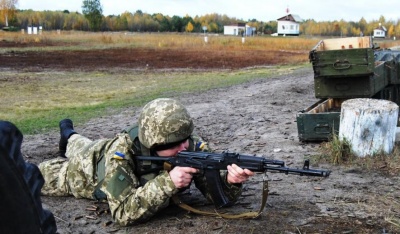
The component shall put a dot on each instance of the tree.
(189, 27)
(93, 12)
(363, 24)
(391, 31)
(397, 29)
(185, 21)
(139, 12)
(382, 19)
(7, 9)
(164, 23)
(176, 23)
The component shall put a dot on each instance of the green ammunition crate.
(343, 57)
(352, 87)
(319, 121)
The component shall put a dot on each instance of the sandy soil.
(259, 118)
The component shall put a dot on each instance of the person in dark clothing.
(20, 184)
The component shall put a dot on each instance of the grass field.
(35, 101)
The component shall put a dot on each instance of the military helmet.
(164, 121)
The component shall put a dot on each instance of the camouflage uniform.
(131, 198)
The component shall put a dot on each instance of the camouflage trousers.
(75, 175)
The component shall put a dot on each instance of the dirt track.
(253, 118)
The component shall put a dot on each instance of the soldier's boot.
(66, 131)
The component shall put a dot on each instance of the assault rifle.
(209, 164)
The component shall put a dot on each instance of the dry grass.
(87, 40)
(339, 152)
(70, 40)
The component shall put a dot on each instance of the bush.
(11, 29)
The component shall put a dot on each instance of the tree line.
(143, 22)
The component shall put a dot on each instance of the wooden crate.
(343, 57)
(319, 121)
(352, 87)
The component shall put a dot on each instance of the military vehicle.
(346, 68)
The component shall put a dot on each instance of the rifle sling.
(245, 215)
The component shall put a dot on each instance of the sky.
(261, 10)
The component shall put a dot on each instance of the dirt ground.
(255, 118)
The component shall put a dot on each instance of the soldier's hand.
(238, 175)
(182, 176)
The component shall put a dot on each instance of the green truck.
(346, 68)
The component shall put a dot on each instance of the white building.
(289, 25)
(241, 29)
(380, 32)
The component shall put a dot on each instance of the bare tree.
(7, 8)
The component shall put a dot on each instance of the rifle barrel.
(300, 172)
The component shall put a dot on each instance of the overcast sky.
(262, 10)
